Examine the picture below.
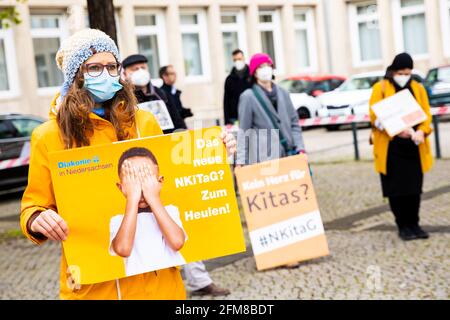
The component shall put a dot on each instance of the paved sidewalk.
(367, 259)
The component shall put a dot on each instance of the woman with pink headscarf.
(268, 123)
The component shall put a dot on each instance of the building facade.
(198, 36)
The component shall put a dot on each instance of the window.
(194, 43)
(365, 34)
(295, 86)
(305, 40)
(364, 83)
(445, 21)
(323, 86)
(410, 27)
(7, 131)
(4, 81)
(271, 43)
(335, 83)
(47, 31)
(233, 35)
(25, 127)
(8, 74)
(151, 37)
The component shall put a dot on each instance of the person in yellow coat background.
(402, 160)
(94, 107)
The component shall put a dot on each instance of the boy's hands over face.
(131, 185)
(151, 187)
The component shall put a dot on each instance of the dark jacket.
(158, 94)
(235, 84)
(176, 101)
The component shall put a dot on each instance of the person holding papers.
(402, 160)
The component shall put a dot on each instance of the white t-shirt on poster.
(150, 251)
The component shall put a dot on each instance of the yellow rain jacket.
(39, 196)
(381, 139)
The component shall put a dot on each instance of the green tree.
(9, 15)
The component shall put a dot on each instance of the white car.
(353, 96)
(304, 90)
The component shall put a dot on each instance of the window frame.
(238, 27)
(445, 25)
(354, 20)
(275, 28)
(7, 35)
(158, 30)
(60, 33)
(398, 14)
(309, 26)
(201, 29)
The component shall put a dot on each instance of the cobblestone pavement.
(367, 259)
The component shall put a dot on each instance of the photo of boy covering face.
(149, 235)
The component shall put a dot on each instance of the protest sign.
(159, 110)
(399, 112)
(197, 193)
(281, 211)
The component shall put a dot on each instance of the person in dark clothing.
(408, 154)
(237, 82)
(136, 71)
(169, 77)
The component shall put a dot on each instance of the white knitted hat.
(76, 49)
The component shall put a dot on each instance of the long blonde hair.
(73, 115)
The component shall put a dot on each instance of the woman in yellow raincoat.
(402, 160)
(95, 107)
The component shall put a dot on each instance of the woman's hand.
(418, 137)
(151, 187)
(406, 134)
(131, 184)
(51, 225)
(229, 141)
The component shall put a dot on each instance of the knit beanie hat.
(402, 61)
(257, 60)
(76, 49)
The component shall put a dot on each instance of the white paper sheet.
(399, 112)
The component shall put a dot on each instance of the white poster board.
(159, 110)
(399, 112)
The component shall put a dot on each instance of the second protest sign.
(282, 212)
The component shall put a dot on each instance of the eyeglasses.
(96, 69)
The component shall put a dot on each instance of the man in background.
(237, 82)
(135, 70)
(169, 77)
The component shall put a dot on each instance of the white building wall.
(333, 42)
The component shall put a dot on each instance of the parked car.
(353, 96)
(305, 89)
(438, 83)
(15, 133)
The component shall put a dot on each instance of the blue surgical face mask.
(103, 87)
